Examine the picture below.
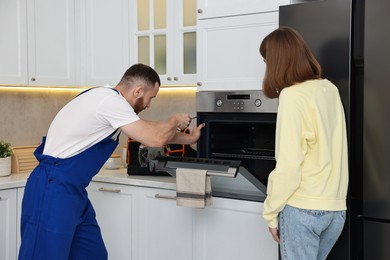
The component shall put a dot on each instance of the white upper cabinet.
(163, 36)
(228, 54)
(106, 43)
(13, 43)
(220, 8)
(52, 42)
(38, 43)
(229, 36)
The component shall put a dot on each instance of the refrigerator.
(351, 40)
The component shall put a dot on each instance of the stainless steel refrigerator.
(351, 40)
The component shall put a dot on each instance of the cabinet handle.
(176, 78)
(200, 11)
(109, 190)
(169, 78)
(199, 84)
(158, 196)
(32, 79)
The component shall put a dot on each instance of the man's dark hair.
(140, 72)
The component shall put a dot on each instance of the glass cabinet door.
(165, 36)
(189, 36)
(152, 33)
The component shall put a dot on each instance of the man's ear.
(138, 92)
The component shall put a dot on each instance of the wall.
(26, 113)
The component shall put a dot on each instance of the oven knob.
(257, 102)
(219, 103)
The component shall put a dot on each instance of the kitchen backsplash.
(26, 112)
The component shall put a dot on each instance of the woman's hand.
(275, 234)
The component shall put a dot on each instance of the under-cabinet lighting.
(81, 88)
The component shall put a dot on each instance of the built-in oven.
(239, 126)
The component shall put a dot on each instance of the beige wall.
(26, 113)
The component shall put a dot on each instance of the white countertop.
(108, 176)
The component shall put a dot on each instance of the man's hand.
(183, 120)
(196, 132)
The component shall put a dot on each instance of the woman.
(306, 195)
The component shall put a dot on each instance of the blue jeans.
(308, 234)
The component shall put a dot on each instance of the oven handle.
(244, 156)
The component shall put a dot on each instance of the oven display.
(238, 97)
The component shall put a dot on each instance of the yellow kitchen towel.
(193, 188)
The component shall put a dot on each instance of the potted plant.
(5, 158)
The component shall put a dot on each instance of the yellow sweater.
(311, 151)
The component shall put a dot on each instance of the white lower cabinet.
(144, 223)
(233, 229)
(19, 216)
(8, 221)
(165, 230)
(137, 224)
(113, 205)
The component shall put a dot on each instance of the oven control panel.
(238, 101)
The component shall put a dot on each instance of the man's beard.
(138, 106)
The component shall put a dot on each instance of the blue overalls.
(58, 221)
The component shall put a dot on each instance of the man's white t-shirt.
(86, 120)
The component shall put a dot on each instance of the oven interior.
(246, 137)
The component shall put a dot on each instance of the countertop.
(119, 176)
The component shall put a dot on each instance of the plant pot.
(5, 166)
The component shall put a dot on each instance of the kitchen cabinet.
(136, 223)
(113, 205)
(145, 223)
(38, 46)
(52, 42)
(8, 222)
(106, 44)
(165, 230)
(13, 43)
(228, 54)
(220, 8)
(229, 36)
(163, 36)
(233, 229)
(20, 192)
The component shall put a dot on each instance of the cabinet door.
(233, 229)
(220, 8)
(182, 49)
(164, 36)
(165, 230)
(52, 42)
(228, 53)
(107, 46)
(18, 218)
(114, 205)
(8, 224)
(13, 43)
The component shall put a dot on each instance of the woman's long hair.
(288, 59)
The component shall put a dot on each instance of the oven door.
(246, 137)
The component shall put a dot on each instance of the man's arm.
(157, 134)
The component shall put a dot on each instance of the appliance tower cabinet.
(228, 40)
